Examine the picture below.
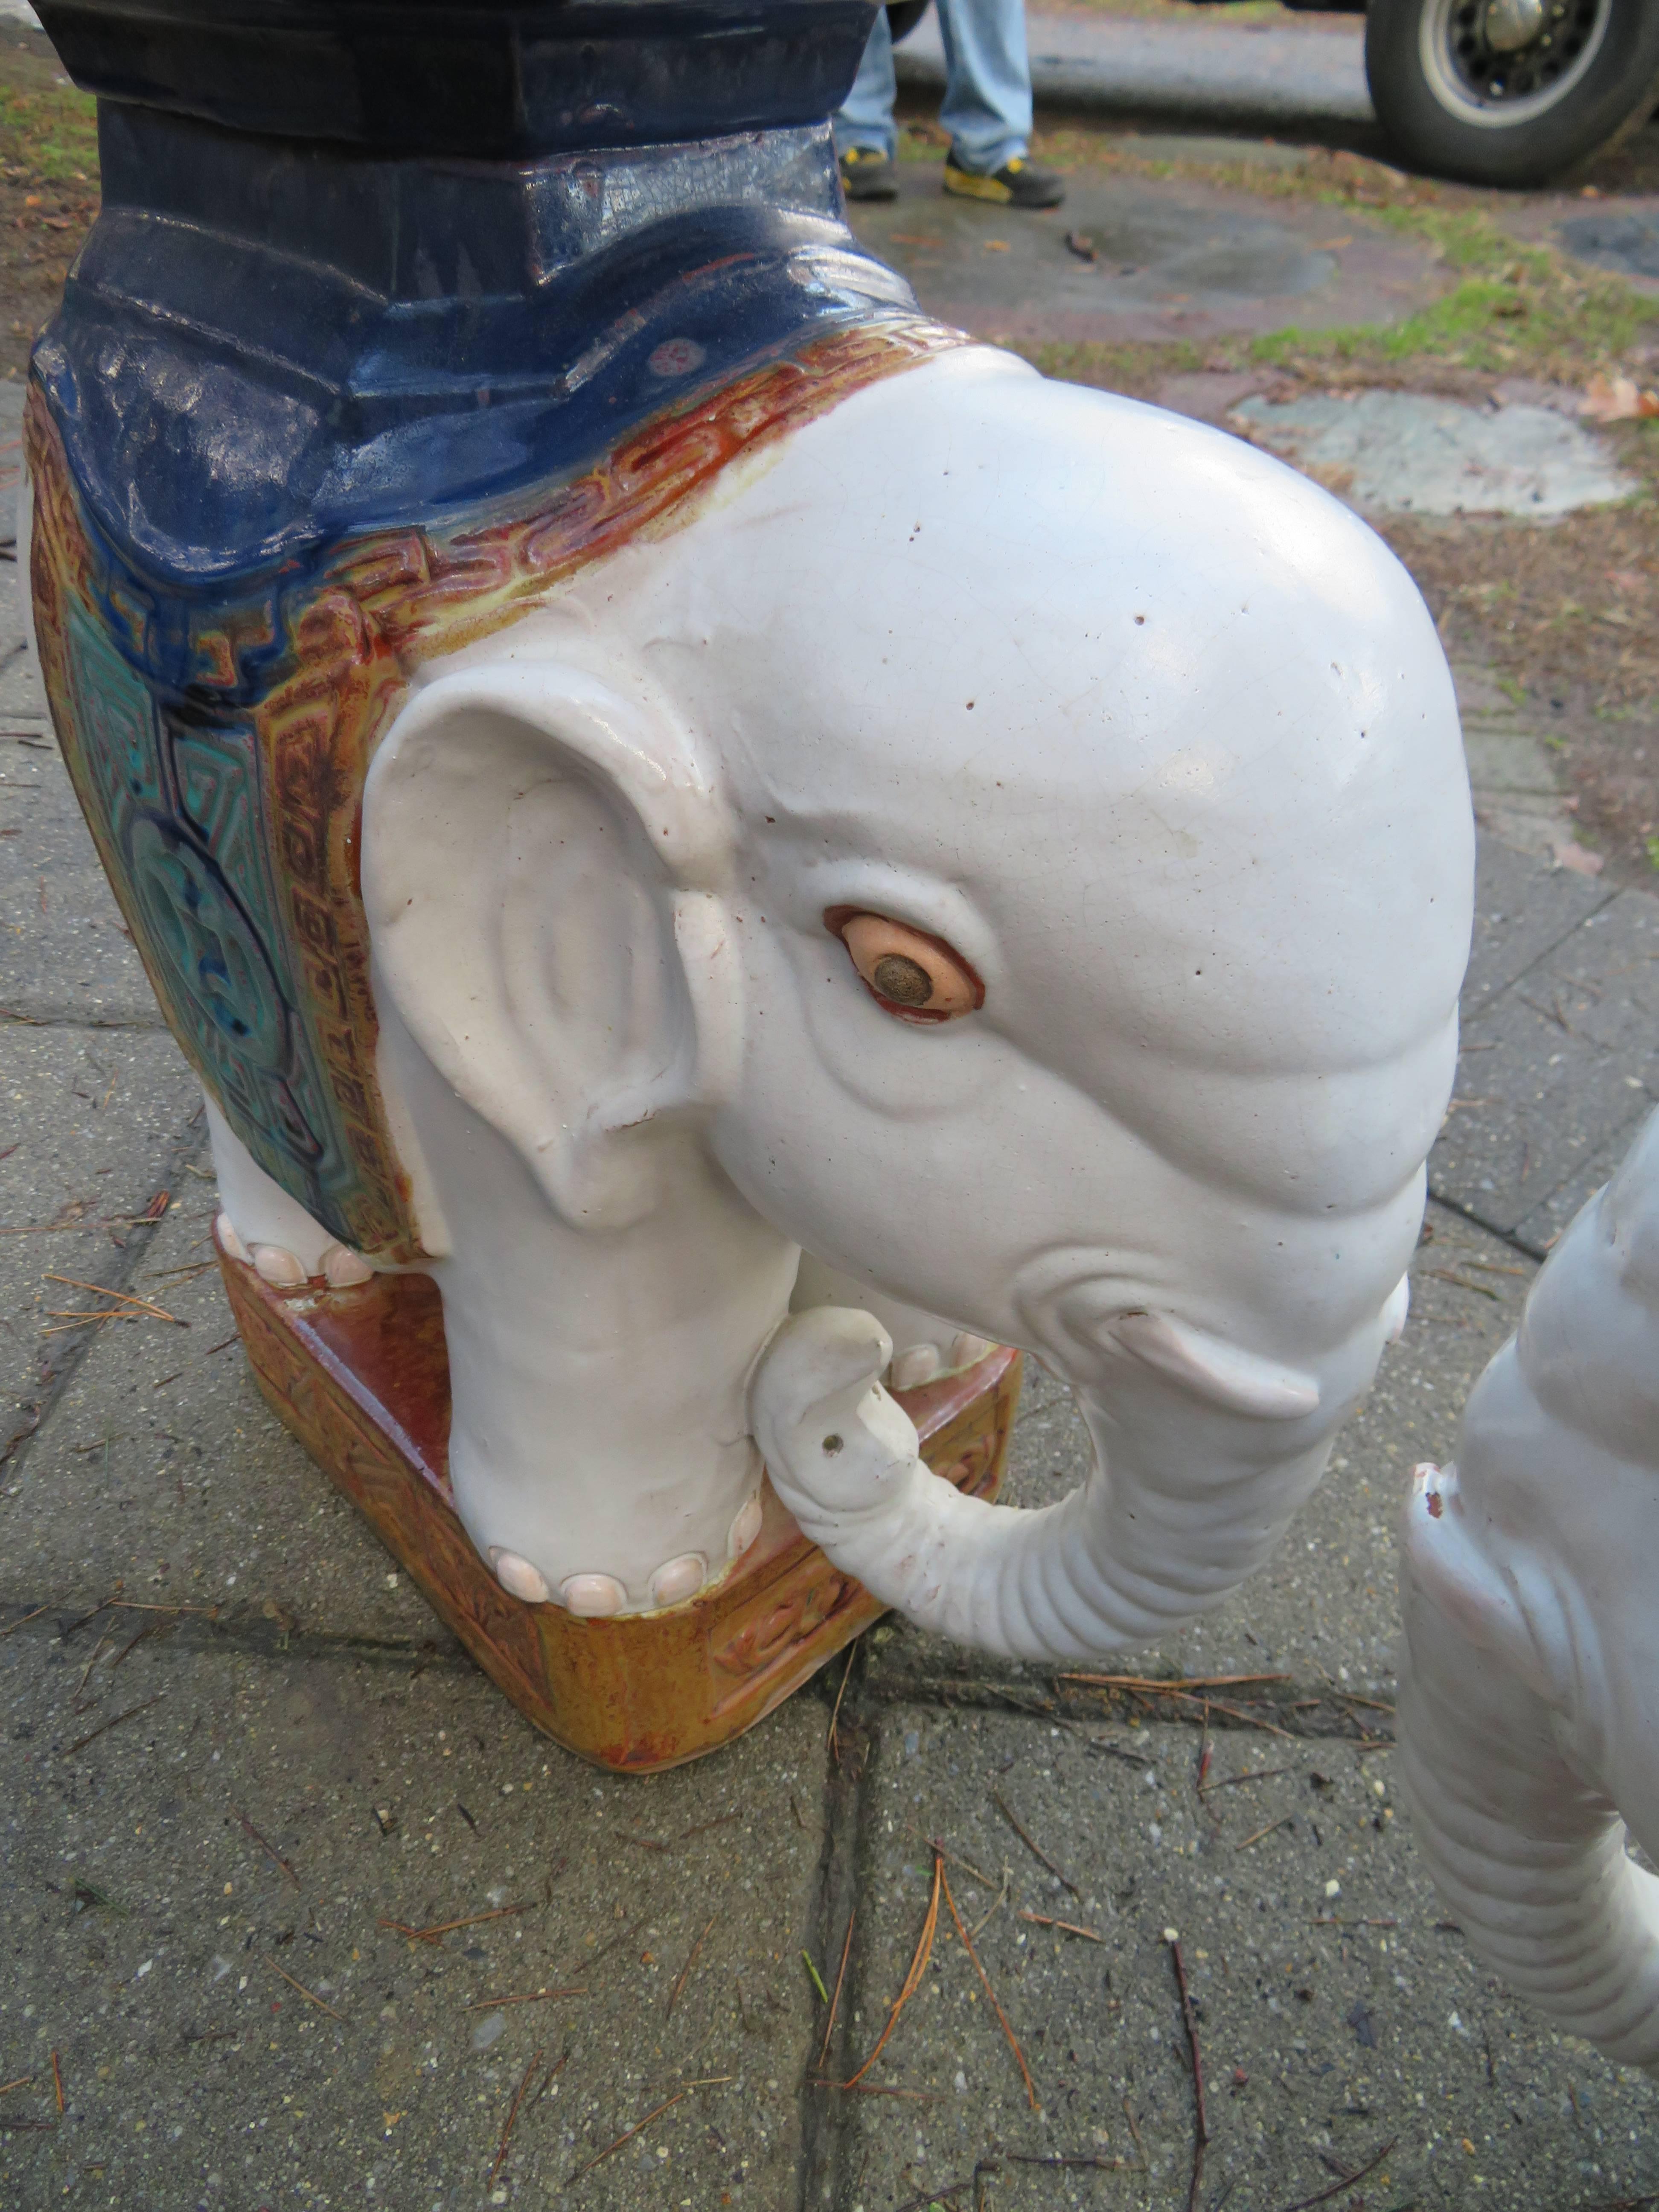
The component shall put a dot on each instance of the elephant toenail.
(519, 1577)
(278, 1268)
(917, 1364)
(744, 1528)
(591, 1596)
(967, 1350)
(343, 1268)
(676, 1580)
(230, 1243)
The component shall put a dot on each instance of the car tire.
(1470, 89)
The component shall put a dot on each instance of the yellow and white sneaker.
(1018, 183)
(867, 173)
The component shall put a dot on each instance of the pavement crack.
(247, 1636)
(1310, 1709)
(72, 1018)
(60, 1366)
(826, 2145)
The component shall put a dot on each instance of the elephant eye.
(916, 977)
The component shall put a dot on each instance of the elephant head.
(1010, 842)
(1527, 1709)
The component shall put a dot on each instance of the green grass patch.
(49, 135)
(1126, 366)
(1514, 307)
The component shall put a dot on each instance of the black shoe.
(868, 174)
(1018, 183)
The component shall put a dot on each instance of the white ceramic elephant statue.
(993, 788)
(1528, 1713)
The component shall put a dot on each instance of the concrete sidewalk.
(212, 1817)
(1261, 76)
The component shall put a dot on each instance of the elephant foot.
(520, 1579)
(648, 1688)
(925, 1363)
(344, 1269)
(596, 1596)
(340, 1268)
(278, 1268)
(225, 1230)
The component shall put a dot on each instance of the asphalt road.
(1196, 72)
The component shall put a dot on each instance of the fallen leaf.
(996, 245)
(1570, 854)
(1333, 476)
(1617, 399)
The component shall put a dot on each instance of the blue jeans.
(987, 85)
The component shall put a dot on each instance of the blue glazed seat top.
(487, 78)
(263, 348)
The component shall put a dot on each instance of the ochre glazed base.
(362, 1378)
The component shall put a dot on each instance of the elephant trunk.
(1185, 1499)
(1530, 1860)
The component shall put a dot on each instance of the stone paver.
(162, 1466)
(1409, 453)
(96, 1128)
(153, 1932)
(1554, 1066)
(1520, 911)
(1625, 240)
(1322, 2043)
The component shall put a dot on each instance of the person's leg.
(988, 80)
(988, 105)
(866, 119)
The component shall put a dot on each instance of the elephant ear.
(543, 866)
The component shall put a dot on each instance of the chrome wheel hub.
(1512, 25)
(1497, 62)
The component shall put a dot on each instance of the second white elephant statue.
(1529, 1699)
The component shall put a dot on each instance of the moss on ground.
(1515, 309)
(48, 134)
